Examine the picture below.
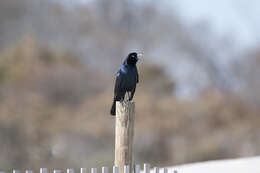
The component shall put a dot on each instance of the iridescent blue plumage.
(126, 79)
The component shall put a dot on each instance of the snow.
(243, 165)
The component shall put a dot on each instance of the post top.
(125, 106)
(125, 102)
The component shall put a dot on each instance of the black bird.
(126, 79)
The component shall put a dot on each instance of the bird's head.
(132, 58)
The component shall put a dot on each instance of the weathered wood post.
(124, 131)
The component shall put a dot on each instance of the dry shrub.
(54, 112)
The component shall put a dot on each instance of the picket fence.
(137, 169)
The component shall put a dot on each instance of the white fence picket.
(43, 170)
(115, 169)
(156, 170)
(146, 168)
(104, 169)
(57, 171)
(126, 169)
(70, 170)
(93, 170)
(83, 170)
(137, 169)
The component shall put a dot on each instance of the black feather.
(126, 79)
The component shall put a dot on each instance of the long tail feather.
(113, 108)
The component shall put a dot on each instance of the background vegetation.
(57, 62)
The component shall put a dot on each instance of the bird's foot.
(129, 100)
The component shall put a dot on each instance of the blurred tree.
(247, 71)
(155, 80)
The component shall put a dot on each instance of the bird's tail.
(113, 108)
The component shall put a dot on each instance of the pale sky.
(239, 17)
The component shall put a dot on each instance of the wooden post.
(125, 120)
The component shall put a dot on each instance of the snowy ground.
(243, 165)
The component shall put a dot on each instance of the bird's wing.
(118, 82)
(137, 75)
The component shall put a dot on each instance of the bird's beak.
(139, 56)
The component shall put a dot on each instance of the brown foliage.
(55, 113)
